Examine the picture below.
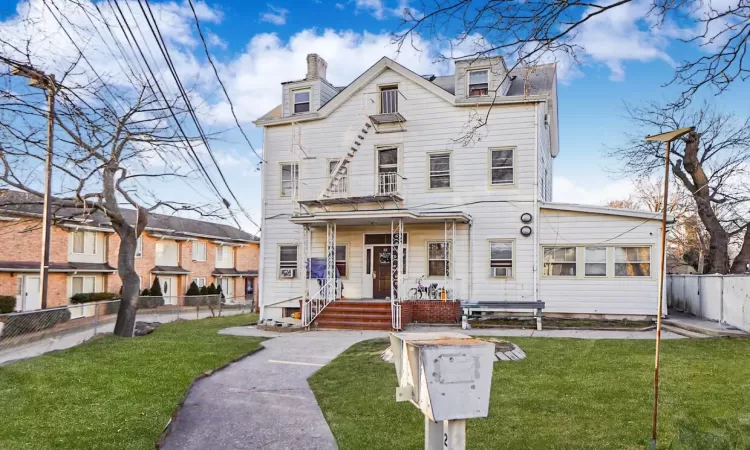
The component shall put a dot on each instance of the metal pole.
(47, 213)
(659, 308)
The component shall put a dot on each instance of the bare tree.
(110, 145)
(527, 32)
(711, 163)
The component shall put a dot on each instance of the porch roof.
(381, 217)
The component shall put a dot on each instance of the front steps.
(355, 315)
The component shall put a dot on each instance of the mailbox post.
(448, 377)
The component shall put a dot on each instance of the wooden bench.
(470, 310)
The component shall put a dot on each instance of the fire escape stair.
(341, 169)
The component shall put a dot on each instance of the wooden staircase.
(355, 315)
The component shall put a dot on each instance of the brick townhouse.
(84, 249)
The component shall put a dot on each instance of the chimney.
(316, 67)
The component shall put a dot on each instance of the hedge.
(7, 304)
(36, 321)
(202, 300)
(92, 297)
(149, 302)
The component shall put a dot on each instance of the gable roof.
(16, 202)
(591, 209)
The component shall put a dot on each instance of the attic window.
(479, 82)
(301, 101)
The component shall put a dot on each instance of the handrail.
(314, 305)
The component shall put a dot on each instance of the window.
(596, 262)
(388, 99)
(437, 259)
(84, 242)
(343, 184)
(289, 179)
(633, 261)
(199, 251)
(387, 171)
(560, 261)
(341, 251)
(199, 281)
(501, 259)
(440, 171)
(288, 261)
(139, 247)
(83, 285)
(301, 101)
(479, 82)
(224, 254)
(501, 166)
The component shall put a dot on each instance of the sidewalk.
(264, 401)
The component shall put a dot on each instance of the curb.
(168, 427)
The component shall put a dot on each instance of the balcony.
(351, 189)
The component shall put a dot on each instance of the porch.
(369, 263)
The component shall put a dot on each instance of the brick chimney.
(316, 67)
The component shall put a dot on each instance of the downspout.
(471, 264)
(537, 218)
(261, 257)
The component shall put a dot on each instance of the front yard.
(567, 394)
(112, 392)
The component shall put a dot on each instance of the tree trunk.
(743, 257)
(718, 257)
(130, 285)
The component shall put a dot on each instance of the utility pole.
(46, 82)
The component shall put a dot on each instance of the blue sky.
(258, 45)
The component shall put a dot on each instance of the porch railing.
(313, 306)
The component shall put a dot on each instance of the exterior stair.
(355, 315)
(341, 169)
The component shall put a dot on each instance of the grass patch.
(549, 323)
(567, 394)
(112, 392)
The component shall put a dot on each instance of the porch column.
(397, 238)
(449, 240)
(330, 261)
(306, 242)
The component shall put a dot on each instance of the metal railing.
(359, 185)
(313, 306)
(388, 101)
(32, 333)
(388, 183)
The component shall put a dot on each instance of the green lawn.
(567, 394)
(111, 392)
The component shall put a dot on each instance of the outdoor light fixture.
(526, 231)
(526, 218)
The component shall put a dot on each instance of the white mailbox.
(448, 377)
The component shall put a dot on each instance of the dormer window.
(479, 82)
(301, 101)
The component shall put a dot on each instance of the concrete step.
(706, 327)
(683, 332)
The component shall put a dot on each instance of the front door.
(31, 298)
(381, 282)
(168, 286)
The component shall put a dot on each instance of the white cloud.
(340, 6)
(570, 191)
(274, 15)
(374, 7)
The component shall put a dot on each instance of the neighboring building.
(84, 251)
(357, 174)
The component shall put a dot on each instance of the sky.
(257, 45)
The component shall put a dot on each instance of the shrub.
(193, 289)
(7, 304)
(204, 290)
(220, 292)
(212, 289)
(202, 300)
(146, 292)
(156, 288)
(150, 302)
(35, 321)
(92, 297)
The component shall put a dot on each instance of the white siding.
(545, 157)
(608, 295)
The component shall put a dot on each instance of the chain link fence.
(31, 333)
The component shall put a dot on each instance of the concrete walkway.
(264, 401)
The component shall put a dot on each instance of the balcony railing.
(355, 186)
(388, 183)
(388, 101)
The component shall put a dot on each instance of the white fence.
(723, 298)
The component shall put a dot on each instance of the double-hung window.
(632, 261)
(199, 251)
(199, 281)
(224, 254)
(501, 166)
(595, 262)
(479, 82)
(387, 171)
(287, 261)
(560, 261)
(84, 242)
(301, 101)
(440, 170)
(289, 179)
(83, 285)
(501, 259)
(437, 259)
(341, 252)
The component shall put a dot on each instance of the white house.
(378, 180)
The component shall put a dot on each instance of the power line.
(216, 72)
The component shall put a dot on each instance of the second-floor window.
(84, 242)
(479, 82)
(440, 170)
(388, 99)
(387, 170)
(289, 179)
(199, 251)
(501, 167)
(301, 101)
(139, 247)
(224, 254)
(342, 186)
